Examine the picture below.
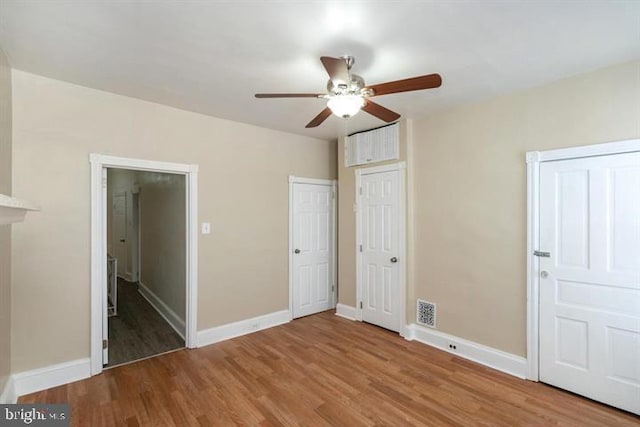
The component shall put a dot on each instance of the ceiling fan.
(347, 93)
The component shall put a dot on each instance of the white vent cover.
(426, 313)
(372, 146)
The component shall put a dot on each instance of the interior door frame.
(534, 159)
(334, 258)
(99, 241)
(401, 168)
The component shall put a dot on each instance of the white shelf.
(14, 210)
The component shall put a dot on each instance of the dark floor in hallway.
(138, 331)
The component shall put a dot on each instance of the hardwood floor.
(320, 370)
(138, 331)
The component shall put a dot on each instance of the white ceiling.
(211, 57)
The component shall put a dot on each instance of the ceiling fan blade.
(317, 120)
(380, 112)
(289, 95)
(337, 69)
(429, 81)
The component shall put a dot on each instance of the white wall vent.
(372, 146)
(426, 313)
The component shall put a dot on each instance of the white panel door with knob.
(313, 239)
(590, 281)
(379, 211)
(120, 247)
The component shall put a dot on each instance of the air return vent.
(426, 313)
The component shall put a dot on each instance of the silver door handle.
(544, 274)
(394, 260)
(297, 251)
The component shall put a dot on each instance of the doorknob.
(544, 274)
(394, 260)
(297, 251)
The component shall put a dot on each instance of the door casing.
(534, 158)
(99, 242)
(298, 180)
(401, 169)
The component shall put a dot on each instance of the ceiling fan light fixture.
(345, 106)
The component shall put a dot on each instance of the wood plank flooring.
(138, 331)
(320, 370)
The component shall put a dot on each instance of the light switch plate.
(206, 228)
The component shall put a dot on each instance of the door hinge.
(333, 288)
(333, 194)
(542, 254)
(360, 248)
(104, 182)
(360, 191)
(361, 305)
(105, 344)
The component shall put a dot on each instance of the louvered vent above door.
(372, 146)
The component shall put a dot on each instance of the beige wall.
(5, 230)
(347, 219)
(162, 237)
(470, 188)
(243, 192)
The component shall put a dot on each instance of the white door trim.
(534, 158)
(99, 247)
(334, 260)
(402, 168)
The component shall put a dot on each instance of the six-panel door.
(313, 286)
(379, 205)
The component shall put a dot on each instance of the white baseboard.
(346, 311)
(177, 323)
(8, 395)
(488, 356)
(50, 376)
(243, 327)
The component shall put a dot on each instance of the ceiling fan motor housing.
(354, 87)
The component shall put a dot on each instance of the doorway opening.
(136, 213)
(146, 230)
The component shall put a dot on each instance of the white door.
(313, 286)
(120, 232)
(590, 283)
(379, 209)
